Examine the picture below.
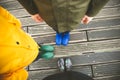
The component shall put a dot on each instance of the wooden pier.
(94, 48)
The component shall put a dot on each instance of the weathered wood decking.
(94, 48)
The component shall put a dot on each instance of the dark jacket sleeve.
(29, 6)
(95, 6)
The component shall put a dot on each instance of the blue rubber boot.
(66, 38)
(58, 38)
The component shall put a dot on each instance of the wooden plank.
(109, 12)
(40, 29)
(113, 3)
(4, 1)
(77, 60)
(96, 58)
(11, 5)
(83, 69)
(28, 21)
(95, 46)
(109, 33)
(20, 13)
(97, 24)
(78, 49)
(110, 69)
(44, 64)
(52, 64)
(50, 38)
(109, 78)
(40, 74)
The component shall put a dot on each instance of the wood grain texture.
(11, 5)
(79, 60)
(50, 38)
(109, 33)
(110, 69)
(94, 48)
(109, 78)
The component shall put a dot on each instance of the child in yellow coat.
(17, 49)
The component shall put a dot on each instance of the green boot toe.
(47, 55)
(47, 48)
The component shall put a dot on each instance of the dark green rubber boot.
(47, 48)
(46, 51)
(46, 55)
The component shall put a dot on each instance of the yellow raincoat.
(17, 49)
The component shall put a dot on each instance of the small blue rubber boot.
(58, 38)
(66, 38)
